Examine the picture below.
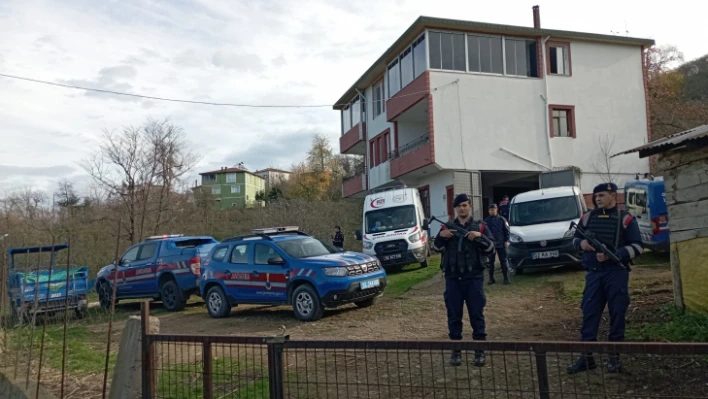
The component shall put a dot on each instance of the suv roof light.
(273, 230)
(162, 236)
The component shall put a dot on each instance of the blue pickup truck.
(165, 268)
(36, 288)
(284, 266)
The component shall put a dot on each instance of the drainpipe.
(545, 99)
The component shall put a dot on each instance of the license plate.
(394, 256)
(545, 255)
(369, 284)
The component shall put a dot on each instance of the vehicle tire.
(367, 303)
(104, 295)
(171, 295)
(519, 271)
(424, 264)
(306, 304)
(217, 304)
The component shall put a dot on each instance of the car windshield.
(305, 248)
(544, 211)
(400, 217)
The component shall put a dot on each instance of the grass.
(672, 327)
(399, 282)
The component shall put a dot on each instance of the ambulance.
(394, 227)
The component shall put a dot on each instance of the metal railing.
(183, 366)
(359, 171)
(410, 146)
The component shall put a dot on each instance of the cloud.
(32, 171)
(237, 60)
(279, 61)
(109, 78)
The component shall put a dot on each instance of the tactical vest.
(469, 262)
(608, 226)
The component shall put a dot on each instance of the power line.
(186, 101)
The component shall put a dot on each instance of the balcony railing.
(408, 147)
(358, 171)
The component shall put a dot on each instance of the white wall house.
(273, 177)
(459, 106)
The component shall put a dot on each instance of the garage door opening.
(495, 185)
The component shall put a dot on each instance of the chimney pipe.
(536, 17)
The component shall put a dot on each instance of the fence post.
(275, 365)
(149, 359)
(542, 372)
(207, 376)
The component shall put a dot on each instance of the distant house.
(273, 177)
(683, 158)
(233, 187)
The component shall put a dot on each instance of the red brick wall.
(351, 138)
(409, 96)
(352, 186)
(416, 159)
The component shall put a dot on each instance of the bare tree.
(140, 167)
(604, 165)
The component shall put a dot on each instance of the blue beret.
(610, 187)
(460, 199)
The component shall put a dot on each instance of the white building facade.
(493, 110)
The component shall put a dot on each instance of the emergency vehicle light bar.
(162, 236)
(273, 230)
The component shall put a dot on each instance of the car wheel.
(519, 271)
(366, 303)
(306, 304)
(171, 296)
(217, 304)
(105, 292)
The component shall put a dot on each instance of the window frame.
(248, 254)
(217, 188)
(572, 132)
(231, 175)
(398, 61)
(237, 187)
(142, 247)
(569, 66)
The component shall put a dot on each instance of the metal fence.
(180, 366)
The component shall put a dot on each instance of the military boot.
(506, 279)
(614, 365)
(491, 276)
(480, 359)
(456, 358)
(584, 363)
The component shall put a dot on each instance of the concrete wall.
(438, 201)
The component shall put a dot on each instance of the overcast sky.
(255, 52)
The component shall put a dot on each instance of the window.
(208, 179)
(216, 190)
(521, 57)
(240, 254)
(346, 119)
(389, 219)
(558, 54)
(378, 102)
(419, 59)
(386, 137)
(235, 189)
(406, 66)
(130, 256)
(355, 108)
(447, 51)
(562, 120)
(394, 78)
(220, 253)
(372, 153)
(305, 248)
(544, 211)
(231, 177)
(485, 54)
(262, 253)
(147, 251)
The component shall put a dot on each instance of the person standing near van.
(338, 238)
(499, 227)
(504, 207)
(606, 282)
(464, 275)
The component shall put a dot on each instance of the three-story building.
(232, 187)
(492, 110)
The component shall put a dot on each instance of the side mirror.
(357, 234)
(276, 260)
(426, 224)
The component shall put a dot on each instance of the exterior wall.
(478, 114)
(380, 174)
(607, 90)
(249, 185)
(438, 201)
(409, 131)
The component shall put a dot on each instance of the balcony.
(379, 175)
(354, 186)
(353, 142)
(412, 157)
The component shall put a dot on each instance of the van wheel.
(306, 304)
(424, 264)
(171, 295)
(519, 271)
(217, 303)
(104, 295)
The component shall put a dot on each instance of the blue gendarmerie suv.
(284, 266)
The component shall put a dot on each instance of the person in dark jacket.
(504, 207)
(499, 227)
(463, 263)
(338, 238)
(606, 282)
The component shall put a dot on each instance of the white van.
(539, 221)
(394, 227)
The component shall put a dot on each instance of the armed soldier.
(463, 263)
(607, 281)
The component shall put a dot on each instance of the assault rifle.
(460, 233)
(599, 246)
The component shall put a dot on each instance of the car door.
(142, 270)
(237, 273)
(271, 278)
(125, 286)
